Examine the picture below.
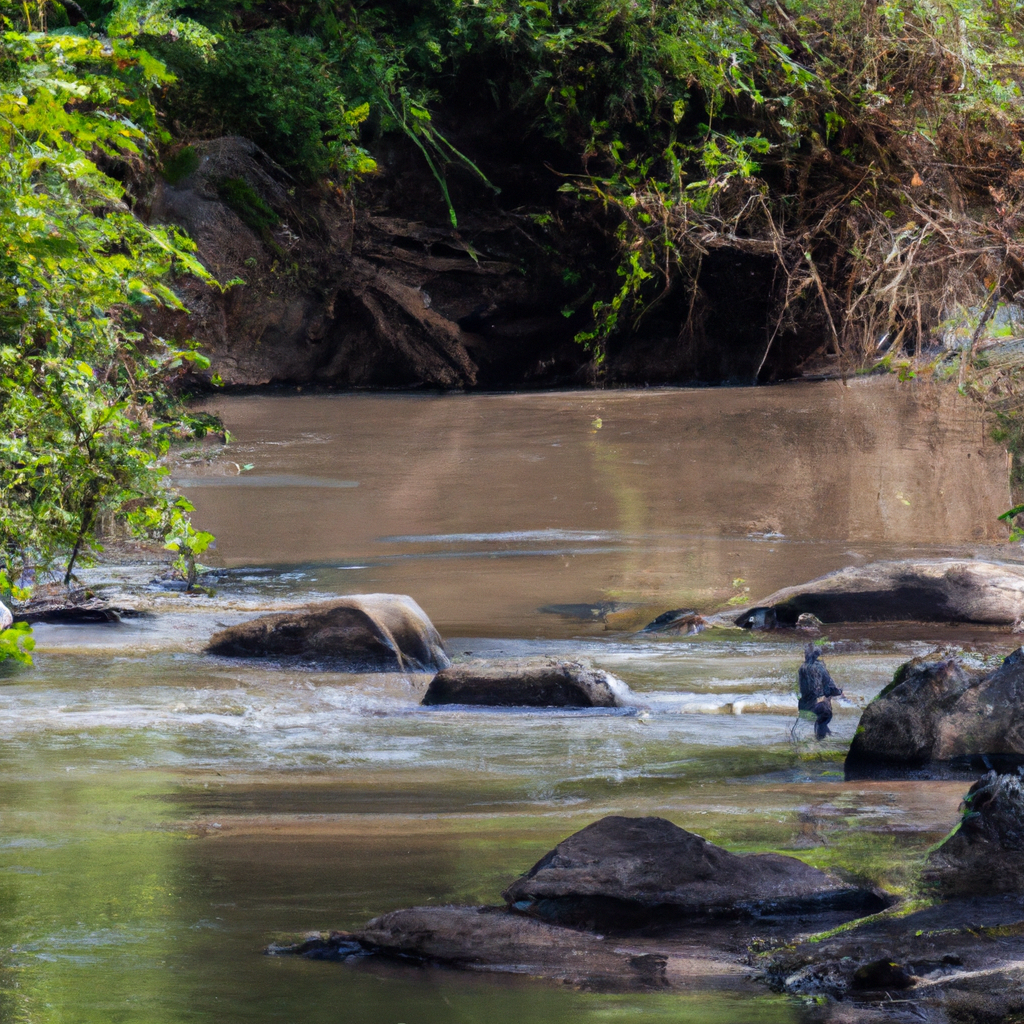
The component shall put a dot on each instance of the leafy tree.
(86, 408)
(280, 90)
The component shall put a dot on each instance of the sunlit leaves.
(82, 387)
(16, 643)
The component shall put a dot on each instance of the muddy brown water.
(163, 815)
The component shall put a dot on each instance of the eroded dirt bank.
(375, 288)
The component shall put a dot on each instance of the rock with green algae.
(939, 714)
(986, 853)
(961, 958)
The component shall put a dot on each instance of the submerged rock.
(364, 632)
(986, 853)
(938, 712)
(497, 939)
(529, 683)
(633, 872)
(6, 618)
(943, 590)
(684, 622)
(333, 945)
(597, 612)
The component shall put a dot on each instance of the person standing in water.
(816, 691)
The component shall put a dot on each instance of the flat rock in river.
(363, 632)
(488, 936)
(939, 713)
(529, 682)
(59, 605)
(940, 590)
(74, 613)
(498, 939)
(630, 872)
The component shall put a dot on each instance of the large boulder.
(939, 714)
(6, 618)
(986, 853)
(633, 872)
(941, 590)
(529, 683)
(364, 632)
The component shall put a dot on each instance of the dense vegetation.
(85, 404)
(871, 151)
(869, 154)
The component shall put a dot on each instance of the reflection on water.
(163, 815)
(488, 507)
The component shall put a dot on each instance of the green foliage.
(794, 133)
(1016, 533)
(180, 165)
(85, 406)
(280, 90)
(16, 643)
(179, 535)
(246, 202)
(854, 145)
(131, 19)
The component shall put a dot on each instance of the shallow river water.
(163, 815)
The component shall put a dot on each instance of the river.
(163, 814)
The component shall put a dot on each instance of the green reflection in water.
(110, 912)
(88, 883)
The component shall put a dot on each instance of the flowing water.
(163, 815)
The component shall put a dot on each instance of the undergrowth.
(870, 153)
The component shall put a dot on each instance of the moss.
(898, 677)
(903, 909)
(180, 165)
(253, 210)
(828, 756)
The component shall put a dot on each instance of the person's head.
(811, 653)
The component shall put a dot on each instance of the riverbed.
(164, 815)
